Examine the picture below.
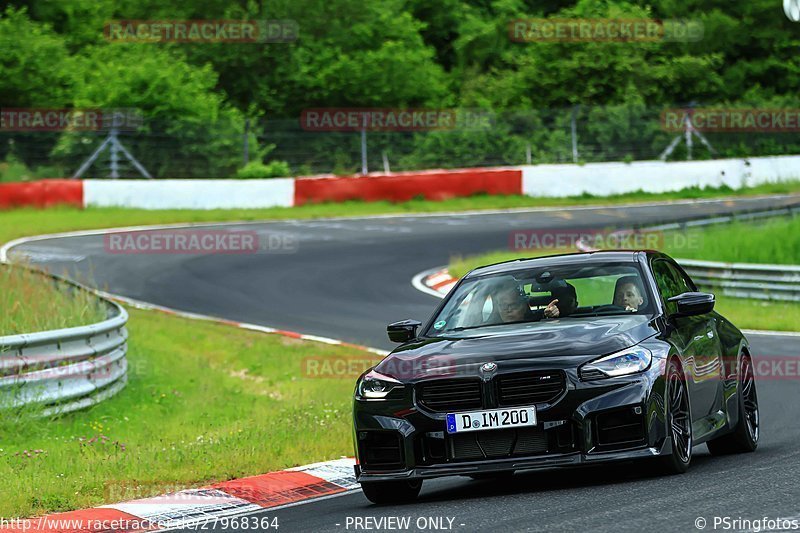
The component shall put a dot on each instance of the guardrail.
(67, 369)
(791, 210)
(743, 280)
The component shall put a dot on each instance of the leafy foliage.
(393, 54)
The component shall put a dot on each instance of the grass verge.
(774, 241)
(759, 314)
(24, 222)
(205, 402)
(32, 302)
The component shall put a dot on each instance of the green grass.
(759, 314)
(205, 402)
(461, 265)
(32, 302)
(775, 241)
(24, 222)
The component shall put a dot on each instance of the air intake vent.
(620, 428)
(498, 443)
(530, 387)
(380, 450)
(449, 395)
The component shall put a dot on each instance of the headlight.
(622, 363)
(375, 386)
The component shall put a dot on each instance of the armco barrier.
(67, 369)
(743, 280)
(401, 187)
(43, 193)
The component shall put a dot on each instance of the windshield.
(542, 295)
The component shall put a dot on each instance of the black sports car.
(556, 361)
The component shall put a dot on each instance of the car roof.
(611, 256)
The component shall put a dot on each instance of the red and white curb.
(217, 504)
(435, 281)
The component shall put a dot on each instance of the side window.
(670, 282)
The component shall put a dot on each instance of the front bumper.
(570, 432)
(517, 464)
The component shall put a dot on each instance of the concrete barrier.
(599, 179)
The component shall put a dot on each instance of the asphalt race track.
(348, 278)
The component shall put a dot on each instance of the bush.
(258, 170)
(13, 170)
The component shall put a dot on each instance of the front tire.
(744, 437)
(386, 492)
(679, 422)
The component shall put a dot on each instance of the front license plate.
(498, 418)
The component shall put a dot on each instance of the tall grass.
(775, 240)
(32, 302)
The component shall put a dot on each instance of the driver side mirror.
(403, 331)
(693, 303)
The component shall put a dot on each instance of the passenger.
(565, 303)
(628, 294)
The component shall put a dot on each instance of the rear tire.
(384, 492)
(679, 422)
(744, 437)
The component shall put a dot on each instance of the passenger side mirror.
(693, 303)
(403, 331)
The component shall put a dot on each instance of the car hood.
(542, 345)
